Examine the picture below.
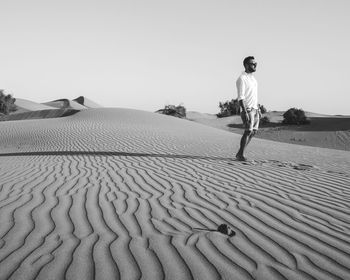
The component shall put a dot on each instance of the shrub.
(7, 103)
(295, 116)
(262, 109)
(264, 120)
(229, 108)
(172, 110)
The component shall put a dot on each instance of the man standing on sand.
(247, 91)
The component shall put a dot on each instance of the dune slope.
(324, 131)
(24, 105)
(126, 194)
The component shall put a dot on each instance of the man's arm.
(244, 110)
(241, 103)
(241, 87)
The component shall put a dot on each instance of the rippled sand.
(126, 194)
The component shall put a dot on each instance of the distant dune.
(27, 109)
(87, 102)
(325, 131)
(65, 103)
(112, 193)
(24, 105)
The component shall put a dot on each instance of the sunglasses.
(253, 63)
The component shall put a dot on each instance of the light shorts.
(253, 122)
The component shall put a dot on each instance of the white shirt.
(247, 90)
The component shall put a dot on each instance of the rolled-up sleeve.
(240, 88)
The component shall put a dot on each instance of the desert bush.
(229, 108)
(262, 109)
(172, 110)
(295, 116)
(264, 120)
(7, 103)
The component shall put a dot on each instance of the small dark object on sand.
(223, 228)
(226, 229)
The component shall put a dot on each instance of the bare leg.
(251, 135)
(245, 140)
(246, 137)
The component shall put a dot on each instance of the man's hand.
(246, 116)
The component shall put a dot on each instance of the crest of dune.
(65, 104)
(87, 102)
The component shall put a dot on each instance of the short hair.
(245, 61)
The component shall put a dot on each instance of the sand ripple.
(151, 211)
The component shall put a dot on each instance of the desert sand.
(112, 193)
(324, 131)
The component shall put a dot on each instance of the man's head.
(249, 64)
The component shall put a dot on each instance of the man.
(247, 90)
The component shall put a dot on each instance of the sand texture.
(125, 194)
(324, 131)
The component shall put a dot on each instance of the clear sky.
(145, 54)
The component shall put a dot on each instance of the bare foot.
(240, 158)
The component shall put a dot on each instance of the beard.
(252, 69)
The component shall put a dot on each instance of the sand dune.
(65, 103)
(24, 105)
(87, 102)
(126, 194)
(26, 109)
(325, 131)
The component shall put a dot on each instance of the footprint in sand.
(297, 166)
